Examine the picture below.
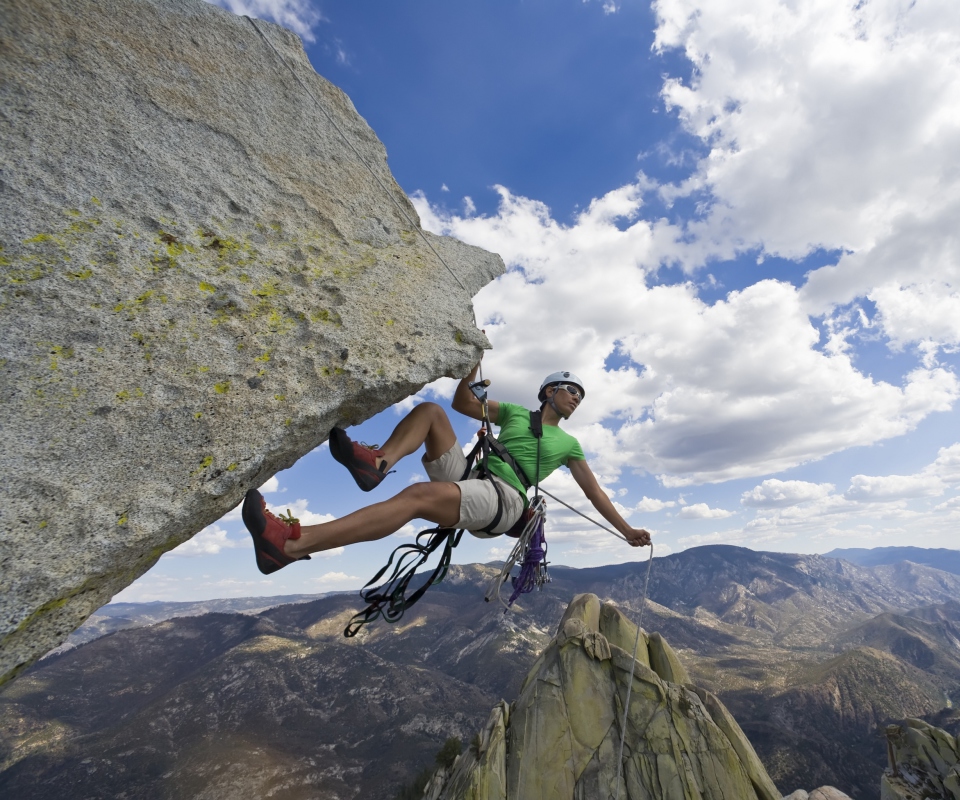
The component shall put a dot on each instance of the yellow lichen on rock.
(237, 230)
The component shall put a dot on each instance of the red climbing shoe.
(269, 532)
(360, 459)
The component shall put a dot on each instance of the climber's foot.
(269, 532)
(360, 459)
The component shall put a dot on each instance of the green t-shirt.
(556, 448)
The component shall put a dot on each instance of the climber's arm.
(587, 481)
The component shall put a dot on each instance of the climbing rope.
(356, 152)
(589, 519)
(530, 551)
(633, 664)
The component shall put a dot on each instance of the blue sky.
(736, 220)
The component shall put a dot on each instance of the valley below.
(813, 656)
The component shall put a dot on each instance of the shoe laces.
(373, 447)
(288, 518)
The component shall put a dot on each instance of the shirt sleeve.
(576, 452)
(505, 413)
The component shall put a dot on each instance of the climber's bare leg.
(427, 424)
(438, 502)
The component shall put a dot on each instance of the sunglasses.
(570, 388)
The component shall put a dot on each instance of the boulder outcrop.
(924, 763)
(206, 265)
(561, 738)
(823, 793)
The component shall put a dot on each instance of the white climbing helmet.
(560, 377)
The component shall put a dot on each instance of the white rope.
(636, 642)
(589, 519)
(519, 551)
(356, 152)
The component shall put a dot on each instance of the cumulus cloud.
(705, 392)
(953, 505)
(649, 505)
(332, 581)
(775, 493)
(893, 487)
(703, 511)
(828, 126)
(947, 464)
(923, 313)
(208, 542)
(300, 16)
(299, 509)
(875, 509)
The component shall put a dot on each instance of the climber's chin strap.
(553, 404)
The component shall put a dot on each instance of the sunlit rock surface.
(925, 763)
(561, 737)
(203, 271)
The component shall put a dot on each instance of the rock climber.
(446, 499)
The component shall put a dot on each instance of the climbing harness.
(356, 152)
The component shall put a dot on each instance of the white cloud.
(299, 510)
(208, 542)
(272, 485)
(703, 511)
(931, 481)
(300, 16)
(409, 531)
(775, 493)
(649, 505)
(331, 581)
(947, 464)
(927, 314)
(829, 126)
(440, 389)
(949, 505)
(893, 487)
(738, 388)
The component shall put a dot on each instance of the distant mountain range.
(940, 558)
(117, 616)
(811, 654)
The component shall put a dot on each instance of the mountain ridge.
(208, 696)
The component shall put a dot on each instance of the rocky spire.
(559, 740)
(924, 763)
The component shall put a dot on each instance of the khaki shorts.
(478, 498)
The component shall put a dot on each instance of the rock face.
(561, 738)
(925, 763)
(206, 265)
